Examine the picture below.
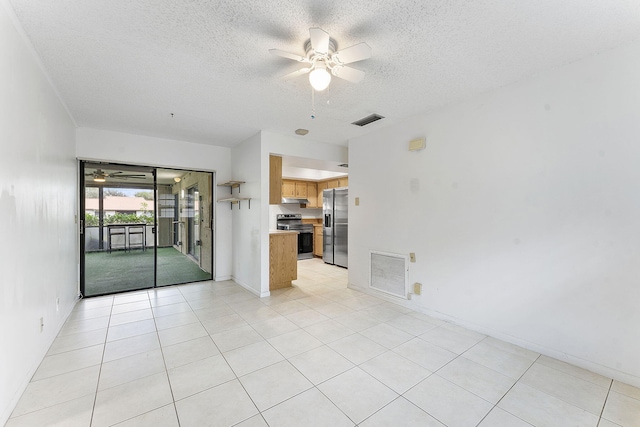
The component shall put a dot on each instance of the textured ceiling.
(127, 65)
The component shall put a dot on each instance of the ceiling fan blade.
(354, 53)
(319, 40)
(130, 176)
(288, 55)
(296, 73)
(349, 74)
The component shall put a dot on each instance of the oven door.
(305, 245)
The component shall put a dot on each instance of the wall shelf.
(235, 200)
(232, 185)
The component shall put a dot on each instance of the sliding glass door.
(185, 236)
(134, 222)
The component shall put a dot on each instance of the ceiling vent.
(369, 119)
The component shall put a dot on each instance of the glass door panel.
(118, 208)
(185, 210)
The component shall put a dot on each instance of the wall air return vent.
(367, 120)
(388, 273)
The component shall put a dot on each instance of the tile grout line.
(104, 349)
(575, 376)
(237, 378)
(236, 307)
(604, 404)
(164, 362)
(507, 392)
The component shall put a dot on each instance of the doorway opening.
(144, 227)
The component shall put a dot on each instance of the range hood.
(295, 200)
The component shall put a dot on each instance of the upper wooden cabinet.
(295, 189)
(335, 183)
(321, 187)
(288, 188)
(301, 189)
(275, 180)
(312, 191)
(312, 195)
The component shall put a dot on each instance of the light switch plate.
(357, 201)
(412, 257)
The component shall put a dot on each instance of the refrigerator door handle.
(327, 220)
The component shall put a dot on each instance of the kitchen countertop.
(283, 232)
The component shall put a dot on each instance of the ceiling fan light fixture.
(320, 78)
(99, 178)
(177, 179)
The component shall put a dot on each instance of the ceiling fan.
(101, 176)
(324, 61)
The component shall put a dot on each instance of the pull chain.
(313, 104)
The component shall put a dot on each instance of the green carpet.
(119, 271)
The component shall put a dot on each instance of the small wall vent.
(389, 273)
(367, 120)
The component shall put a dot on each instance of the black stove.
(305, 238)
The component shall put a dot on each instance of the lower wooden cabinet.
(283, 259)
(317, 240)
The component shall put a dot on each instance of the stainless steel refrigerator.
(334, 235)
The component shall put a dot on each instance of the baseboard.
(250, 289)
(222, 278)
(597, 368)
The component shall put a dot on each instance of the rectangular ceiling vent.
(367, 120)
(388, 273)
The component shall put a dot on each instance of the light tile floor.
(316, 354)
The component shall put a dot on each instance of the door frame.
(81, 216)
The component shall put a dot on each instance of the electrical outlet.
(412, 257)
(417, 288)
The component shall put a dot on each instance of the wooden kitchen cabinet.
(275, 180)
(294, 189)
(312, 195)
(321, 187)
(338, 182)
(288, 188)
(283, 259)
(301, 189)
(317, 240)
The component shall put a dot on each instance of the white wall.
(37, 207)
(522, 211)
(118, 147)
(247, 224)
